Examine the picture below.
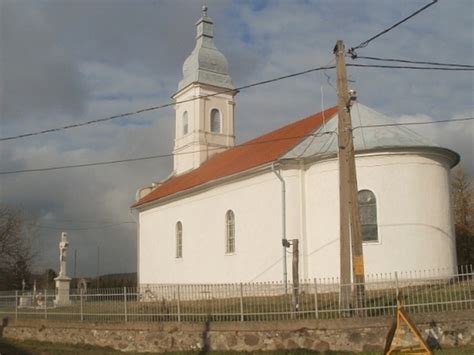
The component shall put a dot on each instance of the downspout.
(283, 224)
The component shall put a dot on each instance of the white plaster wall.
(413, 210)
(256, 203)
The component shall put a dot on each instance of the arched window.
(215, 121)
(185, 123)
(368, 215)
(179, 240)
(230, 232)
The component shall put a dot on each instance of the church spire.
(206, 64)
(205, 96)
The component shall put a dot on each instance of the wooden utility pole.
(350, 231)
(296, 275)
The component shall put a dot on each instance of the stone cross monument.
(63, 245)
(62, 281)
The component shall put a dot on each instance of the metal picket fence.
(421, 292)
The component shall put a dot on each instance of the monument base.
(25, 301)
(62, 291)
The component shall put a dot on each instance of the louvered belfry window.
(185, 123)
(215, 121)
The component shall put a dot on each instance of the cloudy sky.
(69, 61)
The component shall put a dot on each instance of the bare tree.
(463, 201)
(16, 254)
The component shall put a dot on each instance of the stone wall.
(445, 330)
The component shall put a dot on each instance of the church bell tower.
(204, 103)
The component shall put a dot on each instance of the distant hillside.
(46, 280)
(113, 280)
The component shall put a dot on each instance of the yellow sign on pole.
(359, 265)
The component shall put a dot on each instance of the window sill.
(374, 242)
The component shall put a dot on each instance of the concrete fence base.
(366, 334)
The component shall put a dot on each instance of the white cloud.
(108, 82)
(457, 136)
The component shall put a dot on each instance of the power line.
(365, 43)
(413, 61)
(169, 104)
(414, 123)
(407, 67)
(78, 221)
(109, 162)
(80, 229)
(218, 93)
(62, 167)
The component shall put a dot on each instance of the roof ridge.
(322, 113)
(297, 121)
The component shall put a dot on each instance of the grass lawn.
(10, 347)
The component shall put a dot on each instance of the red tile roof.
(261, 150)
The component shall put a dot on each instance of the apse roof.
(371, 130)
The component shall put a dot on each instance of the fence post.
(397, 290)
(179, 303)
(468, 275)
(316, 298)
(125, 303)
(82, 304)
(241, 302)
(470, 292)
(45, 304)
(396, 283)
(16, 304)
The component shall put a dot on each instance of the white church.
(222, 213)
